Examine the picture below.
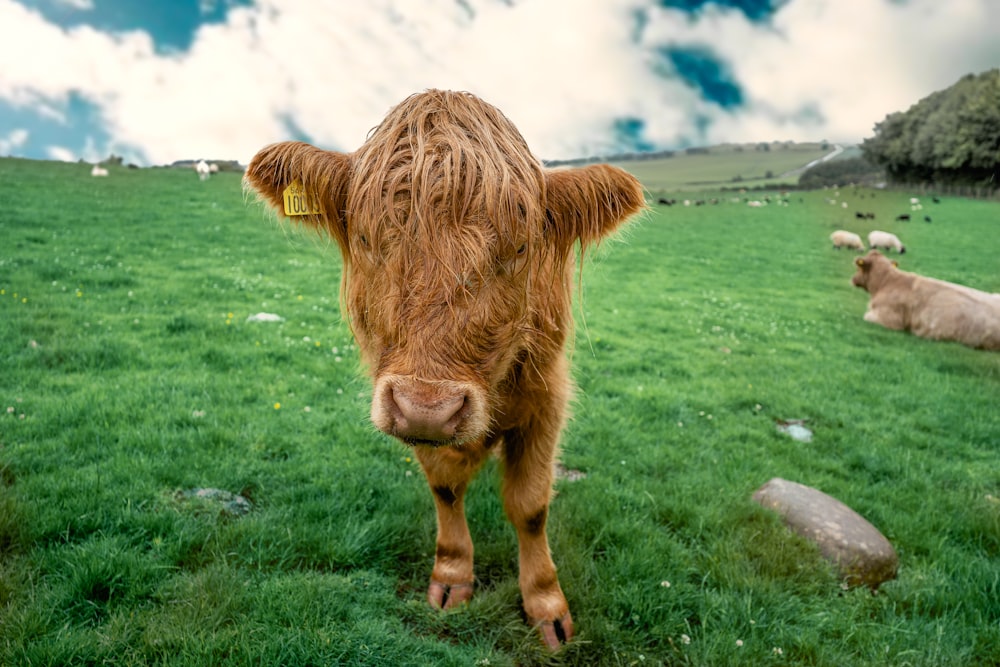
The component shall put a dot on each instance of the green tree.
(950, 136)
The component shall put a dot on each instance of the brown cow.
(458, 251)
(927, 307)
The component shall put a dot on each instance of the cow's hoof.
(556, 633)
(448, 596)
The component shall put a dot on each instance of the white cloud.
(81, 5)
(562, 70)
(60, 153)
(14, 139)
(853, 65)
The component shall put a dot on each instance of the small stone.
(796, 429)
(226, 502)
(861, 554)
(562, 472)
(265, 317)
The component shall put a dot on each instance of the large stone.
(861, 554)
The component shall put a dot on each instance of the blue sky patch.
(755, 10)
(83, 129)
(628, 135)
(293, 130)
(171, 24)
(702, 70)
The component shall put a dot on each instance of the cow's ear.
(588, 203)
(318, 178)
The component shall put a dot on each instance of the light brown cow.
(927, 307)
(458, 250)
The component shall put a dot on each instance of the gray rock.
(207, 499)
(861, 554)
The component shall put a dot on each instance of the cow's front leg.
(449, 471)
(527, 488)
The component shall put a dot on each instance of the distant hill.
(224, 165)
(763, 164)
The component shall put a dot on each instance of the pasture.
(130, 377)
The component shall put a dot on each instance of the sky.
(156, 81)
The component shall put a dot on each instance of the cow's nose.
(419, 414)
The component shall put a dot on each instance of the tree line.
(950, 137)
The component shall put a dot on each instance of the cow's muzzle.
(421, 412)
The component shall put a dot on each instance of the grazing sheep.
(845, 239)
(903, 217)
(204, 171)
(98, 170)
(877, 239)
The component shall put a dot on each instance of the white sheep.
(98, 170)
(878, 239)
(203, 170)
(845, 239)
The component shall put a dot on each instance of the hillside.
(726, 165)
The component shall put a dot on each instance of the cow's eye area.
(514, 261)
(365, 245)
(363, 248)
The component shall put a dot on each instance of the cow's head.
(456, 246)
(871, 270)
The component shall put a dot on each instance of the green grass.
(124, 344)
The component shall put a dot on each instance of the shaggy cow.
(458, 252)
(927, 307)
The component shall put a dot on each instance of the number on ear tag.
(299, 202)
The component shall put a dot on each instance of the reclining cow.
(927, 307)
(458, 251)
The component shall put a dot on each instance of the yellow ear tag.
(299, 202)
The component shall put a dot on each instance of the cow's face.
(872, 264)
(455, 244)
(860, 277)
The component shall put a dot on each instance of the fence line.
(971, 191)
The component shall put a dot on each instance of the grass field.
(130, 377)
